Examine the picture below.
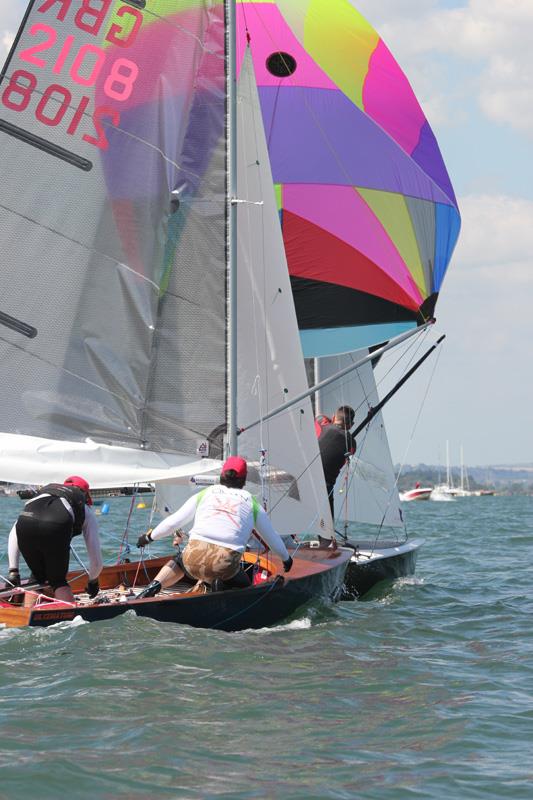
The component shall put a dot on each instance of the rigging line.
(286, 493)
(414, 345)
(78, 559)
(126, 529)
(381, 403)
(345, 380)
(91, 250)
(351, 475)
(243, 9)
(308, 467)
(394, 490)
(422, 404)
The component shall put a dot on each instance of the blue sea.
(425, 690)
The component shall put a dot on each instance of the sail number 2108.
(87, 66)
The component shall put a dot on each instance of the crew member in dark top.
(44, 530)
(336, 444)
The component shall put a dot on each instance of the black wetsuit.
(45, 529)
(335, 445)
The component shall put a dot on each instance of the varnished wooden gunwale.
(313, 567)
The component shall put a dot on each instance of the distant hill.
(508, 478)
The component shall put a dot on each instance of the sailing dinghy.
(145, 291)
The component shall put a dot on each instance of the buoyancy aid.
(320, 422)
(74, 496)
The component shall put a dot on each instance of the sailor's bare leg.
(167, 576)
(170, 574)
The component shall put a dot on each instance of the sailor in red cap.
(44, 530)
(225, 515)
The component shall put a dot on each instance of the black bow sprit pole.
(376, 409)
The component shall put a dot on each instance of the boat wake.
(410, 580)
(295, 625)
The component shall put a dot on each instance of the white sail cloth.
(33, 460)
(366, 490)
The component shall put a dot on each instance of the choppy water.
(425, 691)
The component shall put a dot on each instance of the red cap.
(237, 464)
(82, 484)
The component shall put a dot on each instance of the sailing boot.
(13, 577)
(151, 590)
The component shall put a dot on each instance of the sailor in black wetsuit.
(336, 444)
(44, 531)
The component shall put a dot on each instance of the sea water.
(424, 690)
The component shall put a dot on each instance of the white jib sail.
(271, 368)
(366, 490)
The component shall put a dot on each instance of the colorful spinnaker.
(368, 212)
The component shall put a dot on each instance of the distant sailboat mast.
(449, 480)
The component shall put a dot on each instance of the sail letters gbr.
(71, 67)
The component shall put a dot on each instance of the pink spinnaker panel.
(271, 34)
(391, 102)
(341, 211)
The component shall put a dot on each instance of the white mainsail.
(113, 254)
(135, 357)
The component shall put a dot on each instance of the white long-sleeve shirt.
(226, 517)
(89, 531)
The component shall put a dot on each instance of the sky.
(470, 63)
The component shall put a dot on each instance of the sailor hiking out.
(43, 533)
(225, 517)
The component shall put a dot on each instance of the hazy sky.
(471, 66)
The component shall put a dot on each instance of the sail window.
(281, 64)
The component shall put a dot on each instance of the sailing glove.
(27, 494)
(92, 588)
(144, 539)
(13, 577)
(287, 565)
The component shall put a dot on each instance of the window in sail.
(281, 64)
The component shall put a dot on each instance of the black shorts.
(44, 533)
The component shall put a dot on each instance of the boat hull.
(415, 494)
(369, 567)
(318, 575)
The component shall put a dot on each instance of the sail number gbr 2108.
(105, 69)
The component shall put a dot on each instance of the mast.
(231, 197)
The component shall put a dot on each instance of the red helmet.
(82, 484)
